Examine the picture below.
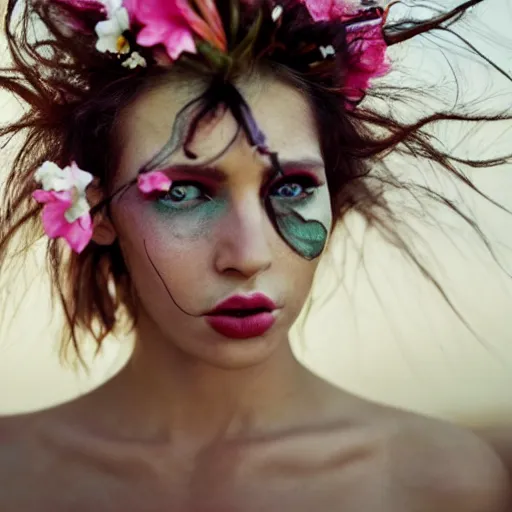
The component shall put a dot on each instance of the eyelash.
(307, 182)
(204, 193)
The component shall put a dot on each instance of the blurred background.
(375, 325)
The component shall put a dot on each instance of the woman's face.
(228, 228)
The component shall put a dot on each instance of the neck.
(164, 393)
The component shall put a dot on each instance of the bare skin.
(498, 435)
(199, 422)
(351, 455)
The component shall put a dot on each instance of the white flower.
(70, 179)
(78, 209)
(52, 177)
(135, 60)
(112, 6)
(327, 51)
(277, 12)
(80, 179)
(110, 32)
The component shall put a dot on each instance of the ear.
(104, 232)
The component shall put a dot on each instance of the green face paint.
(299, 208)
(190, 213)
(299, 211)
(301, 216)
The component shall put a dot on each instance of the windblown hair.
(74, 96)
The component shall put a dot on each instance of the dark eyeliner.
(165, 203)
(306, 181)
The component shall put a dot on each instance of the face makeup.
(243, 317)
(244, 223)
(297, 203)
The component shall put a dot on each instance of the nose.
(242, 245)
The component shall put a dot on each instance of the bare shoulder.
(419, 464)
(450, 467)
(31, 461)
(19, 456)
(17, 439)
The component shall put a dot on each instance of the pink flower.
(214, 29)
(327, 10)
(155, 181)
(55, 223)
(366, 47)
(366, 60)
(66, 211)
(84, 5)
(173, 23)
(77, 15)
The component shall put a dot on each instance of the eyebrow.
(216, 174)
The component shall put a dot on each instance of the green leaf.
(234, 19)
(219, 60)
(247, 44)
(195, 65)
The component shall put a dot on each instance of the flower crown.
(139, 33)
(142, 33)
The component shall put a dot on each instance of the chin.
(196, 342)
(236, 354)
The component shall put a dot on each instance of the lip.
(241, 302)
(222, 318)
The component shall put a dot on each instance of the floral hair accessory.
(160, 32)
(111, 31)
(327, 10)
(366, 49)
(155, 181)
(277, 12)
(366, 46)
(126, 27)
(66, 212)
(175, 25)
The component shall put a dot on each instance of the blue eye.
(290, 190)
(295, 188)
(182, 195)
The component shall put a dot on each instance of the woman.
(189, 161)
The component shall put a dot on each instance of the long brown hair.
(74, 96)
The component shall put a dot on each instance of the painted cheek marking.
(191, 223)
(304, 224)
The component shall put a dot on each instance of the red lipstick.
(242, 317)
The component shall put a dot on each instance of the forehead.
(281, 111)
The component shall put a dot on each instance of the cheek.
(299, 279)
(304, 225)
(164, 249)
(190, 224)
(166, 225)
